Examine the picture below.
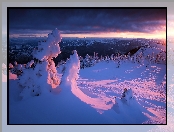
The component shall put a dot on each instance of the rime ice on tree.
(50, 48)
(46, 51)
(44, 76)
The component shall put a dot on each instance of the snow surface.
(93, 95)
(148, 85)
(91, 99)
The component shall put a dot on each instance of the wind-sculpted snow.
(42, 77)
(72, 67)
(100, 103)
(147, 84)
(49, 48)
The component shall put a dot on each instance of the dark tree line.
(104, 49)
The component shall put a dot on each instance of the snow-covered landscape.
(116, 89)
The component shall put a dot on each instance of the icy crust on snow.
(49, 48)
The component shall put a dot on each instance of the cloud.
(86, 20)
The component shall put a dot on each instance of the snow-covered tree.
(107, 58)
(96, 58)
(44, 76)
(72, 68)
(81, 62)
(49, 48)
(102, 58)
(87, 61)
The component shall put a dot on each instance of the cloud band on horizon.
(87, 20)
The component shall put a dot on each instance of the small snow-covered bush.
(87, 62)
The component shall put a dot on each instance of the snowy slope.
(147, 83)
(44, 94)
(91, 100)
(153, 50)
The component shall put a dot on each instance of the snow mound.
(128, 96)
(128, 107)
